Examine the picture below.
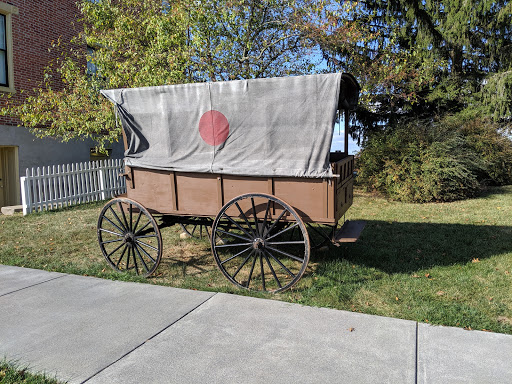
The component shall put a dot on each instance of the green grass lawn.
(13, 374)
(445, 263)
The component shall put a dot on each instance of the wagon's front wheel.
(129, 237)
(267, 247)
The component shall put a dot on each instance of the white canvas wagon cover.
(261, 127)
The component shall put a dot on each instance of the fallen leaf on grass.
(415, 276)
(440, 293)
(504, 319)
(427, 275)
(475, 260)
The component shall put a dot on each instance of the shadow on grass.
(408, 247)
(490, 191)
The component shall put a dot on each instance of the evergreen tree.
(423, 59)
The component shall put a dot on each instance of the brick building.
(27, 29)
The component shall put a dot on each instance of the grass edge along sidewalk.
(440, 263)
(12, 373)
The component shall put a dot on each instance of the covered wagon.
(247, 162)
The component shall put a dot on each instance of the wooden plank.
(174, 200)
(325, 197)
(40, 194)
(331, 196)
(349, 232)
(220, 193)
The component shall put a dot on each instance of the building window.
(91, 67)
(3, 53)
(6, 58)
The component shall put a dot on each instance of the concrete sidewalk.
(89, 330)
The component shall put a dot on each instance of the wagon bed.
(322, 201)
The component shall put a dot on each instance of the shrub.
(493, 146)
(421, 162)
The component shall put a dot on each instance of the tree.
(422, 59)
(139, 43)
(241, 39)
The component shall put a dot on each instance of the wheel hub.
(258, 243)
(129, 238)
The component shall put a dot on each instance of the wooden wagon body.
(256, 180)
(322, 201)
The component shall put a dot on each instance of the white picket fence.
(45, 188)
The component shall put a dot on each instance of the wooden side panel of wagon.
(197, 194)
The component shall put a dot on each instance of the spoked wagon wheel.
(197, 227)
(258, 252)
(129, 237)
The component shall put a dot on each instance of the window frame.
(8, 10)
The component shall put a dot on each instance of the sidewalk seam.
(148, 339)
(34, 285)
(416, 356)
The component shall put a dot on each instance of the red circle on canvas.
(213, 127)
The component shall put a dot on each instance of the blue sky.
(338, 143)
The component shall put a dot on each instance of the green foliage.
(11, 373)
(491, 143)
(136, 43)
(421, 163)
(244, 39)
(77, 111)
(444, 66)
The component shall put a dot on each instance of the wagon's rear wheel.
(129, 237)
(267, 247)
